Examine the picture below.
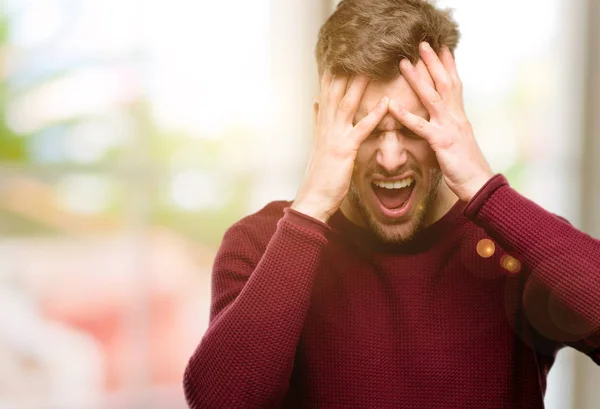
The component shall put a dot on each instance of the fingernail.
(384, 101)
(405, 63)
(426, 47)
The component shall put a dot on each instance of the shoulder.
(263, 221)
(256, 229)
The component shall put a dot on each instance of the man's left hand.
(448, 131)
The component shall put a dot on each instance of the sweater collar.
(424, 239)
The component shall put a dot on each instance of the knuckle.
(464, 125)
(331, 97)
(345, 105)
(435, 97)
(444, 84)
(331, 94)
(335, 93)
(445, 143)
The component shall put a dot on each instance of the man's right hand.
(327, 178)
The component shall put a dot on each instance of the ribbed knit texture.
(309, 315)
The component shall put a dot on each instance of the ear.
(315, 110)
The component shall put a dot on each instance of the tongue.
(392, 198)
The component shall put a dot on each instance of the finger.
(349, 104)
(333, 96)
(337, 88)
(430, 98)
(441, 78)
(449, 63)
(415, 123)
(324, 86)
(365, 126)
(325, 80)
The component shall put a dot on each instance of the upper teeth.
(399, 184)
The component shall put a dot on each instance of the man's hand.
(329, 171)
(448, 131)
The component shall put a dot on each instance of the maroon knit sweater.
(313, 315)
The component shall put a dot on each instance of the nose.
(391, 153)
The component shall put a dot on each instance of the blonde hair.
(370, 37)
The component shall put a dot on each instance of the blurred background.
(134, 132)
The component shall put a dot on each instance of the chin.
(395, 233)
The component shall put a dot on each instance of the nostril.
(391, 161)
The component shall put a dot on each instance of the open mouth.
(394, 196)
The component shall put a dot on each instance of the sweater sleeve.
(260, 298)
(561, 294)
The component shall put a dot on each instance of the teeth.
(399, 184)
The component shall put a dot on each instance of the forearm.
(562, 261)
(246, 357)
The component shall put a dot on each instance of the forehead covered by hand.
(398, 89)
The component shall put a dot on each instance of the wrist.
(311, 210)
(476, 186)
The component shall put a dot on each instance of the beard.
(401, 232)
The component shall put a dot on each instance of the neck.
(443, 202)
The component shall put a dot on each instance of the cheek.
(425, 155)
(364, 156)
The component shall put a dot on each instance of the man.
(405, 274)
